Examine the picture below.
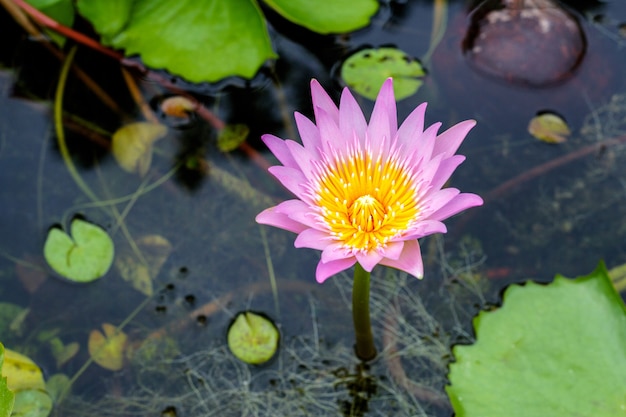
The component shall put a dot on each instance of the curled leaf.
(178, 106)
(132, 145)
(107, 349)
(253, 338)
(549, 127)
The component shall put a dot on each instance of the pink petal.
(425, 143)
(309, 133)
(280, 150)
(351, 119)
(393, 250)
(290, 178)
(301, 156)
(322, 101)
(410, 261)
(298, 211)
(459, 203)
(325, 270)
(368, 260)
(330, 135)
(384, 120)
(438, 199)
(313, 239)
(449, 141)
(445, 171)
(413, 126)
(424, 228)
(272, 218)
(334, 252)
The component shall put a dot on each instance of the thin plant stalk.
(364, 347)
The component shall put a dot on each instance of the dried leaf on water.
(132, 145)
(107, 349)
(155, 250)
(178, 106)
(549, 127)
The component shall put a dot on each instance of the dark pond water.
(549, 208)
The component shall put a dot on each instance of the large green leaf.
(551, 351)
(7, 397)
(108, 17)
(331, 16)
(60, 10)
(200, 40)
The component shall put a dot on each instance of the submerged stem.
(364, 348)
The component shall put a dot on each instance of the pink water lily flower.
(366, 191)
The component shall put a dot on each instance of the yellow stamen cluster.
(367, 202)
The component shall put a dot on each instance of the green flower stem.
(364, 348)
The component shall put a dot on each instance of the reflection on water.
(541, 217)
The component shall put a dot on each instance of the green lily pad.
(333, 16)
(551, 351)
(366, 70)
(200, 40)
(85, 256)
(7, 397)
(253, 338)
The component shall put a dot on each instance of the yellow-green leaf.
(132, 145)
(253, 338)
(549, 127)
(107, 349)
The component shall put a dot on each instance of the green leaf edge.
(7, 397)
(600, 275)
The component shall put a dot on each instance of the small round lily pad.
(366, 70)
(85, 256)
(253, 338)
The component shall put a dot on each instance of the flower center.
(366, 213)
(365, 203)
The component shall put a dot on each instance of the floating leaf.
(62, 352)
(178, 106)
(21, 372)
(85, 256)
(201, 40)
(107, 349)
(132, 145)
(366, 70)
(332, 16)
(551, 351)
(155, 250)
(108, 17)
(56, 385)
(7, 397)
(9, 313)
(253, 338)
(232, 136)
(32, 403)
(549, 127)
(61, 11)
